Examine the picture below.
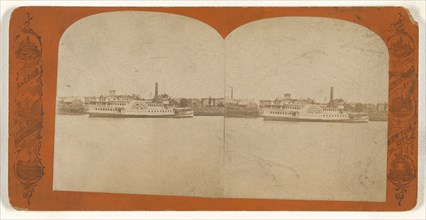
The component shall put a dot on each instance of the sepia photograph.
(319, 88)
(281, 108)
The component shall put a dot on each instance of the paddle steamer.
(296, 110)
(131, 107)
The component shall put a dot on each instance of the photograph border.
(32, 95)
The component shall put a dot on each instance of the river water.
(210, 156)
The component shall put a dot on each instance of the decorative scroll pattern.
(403, 109)
(29, 109)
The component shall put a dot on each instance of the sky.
(130, 51)
(304, 56)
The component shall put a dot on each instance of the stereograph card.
(213, 108)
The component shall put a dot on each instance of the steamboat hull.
(271, 118)
(182, 116)
(111, 115)
(189, 115)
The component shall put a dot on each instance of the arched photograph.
(281, 108)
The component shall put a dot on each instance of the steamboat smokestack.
(232, 92)
(156, 90)
(331, 96)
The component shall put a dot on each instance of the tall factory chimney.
(331, 96)
(156, 90)
(232, 92)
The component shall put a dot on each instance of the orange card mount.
(35, 34)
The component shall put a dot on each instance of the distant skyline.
(305, 56)
(130, 51)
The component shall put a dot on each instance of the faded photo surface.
(129, 52)
(290, 63)
(282, 108)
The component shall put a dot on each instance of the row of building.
(352, 107)
(79, 105)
